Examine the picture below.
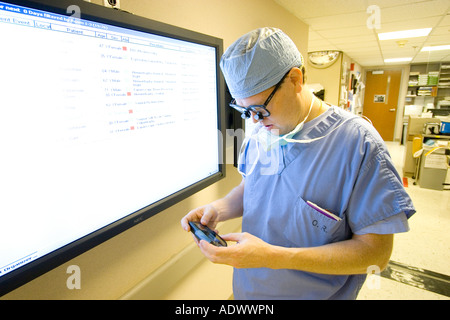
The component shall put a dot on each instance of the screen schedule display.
(94, 119)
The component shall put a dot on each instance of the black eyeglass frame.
(261, 109)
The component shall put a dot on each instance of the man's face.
(285, 110)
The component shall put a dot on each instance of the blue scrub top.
(349, 172)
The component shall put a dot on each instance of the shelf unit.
(429, 84)
(443, 97)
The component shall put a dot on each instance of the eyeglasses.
(260, 110)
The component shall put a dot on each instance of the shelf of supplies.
(428, 83)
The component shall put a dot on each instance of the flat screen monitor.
(106, 119)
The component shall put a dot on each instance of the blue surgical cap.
(258, 60)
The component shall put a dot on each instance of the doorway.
(381, 100)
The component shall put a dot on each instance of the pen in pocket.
(323, 211)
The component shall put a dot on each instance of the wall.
(330, 78)
(111, 269)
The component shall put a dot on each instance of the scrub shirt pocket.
(311, 228)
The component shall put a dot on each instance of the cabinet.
(415, 128)
(434, 165)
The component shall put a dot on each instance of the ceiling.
(343, 25)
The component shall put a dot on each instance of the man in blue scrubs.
(320, 197)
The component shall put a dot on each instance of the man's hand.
(206, 215)
(248, 251)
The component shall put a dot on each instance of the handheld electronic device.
(202, 232)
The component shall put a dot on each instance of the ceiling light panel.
(404, 34)
(398, 60)
(436, 48)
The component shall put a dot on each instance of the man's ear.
(296, 77)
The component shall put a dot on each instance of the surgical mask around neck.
(268, 140)
(285, 139)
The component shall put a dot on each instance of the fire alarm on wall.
(112, 3)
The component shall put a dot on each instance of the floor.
(420, 262)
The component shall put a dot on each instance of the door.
(381, 100)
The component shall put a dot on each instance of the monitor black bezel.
(97, 13)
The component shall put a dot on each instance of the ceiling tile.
(322, 47)
(438, 40)
(445, 21)
(432, 55)
(337, 32)
(428, 22)
(342, 20)
(368, 55)
(357, 40)
(414, 11)
(440, 31)
(318, 8)
(362, 48)
(371, 62)
(394, 3)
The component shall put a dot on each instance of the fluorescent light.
(435, 48)
(404, 34)
(398, 60)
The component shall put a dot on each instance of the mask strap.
(287, 137)
(310, 108)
